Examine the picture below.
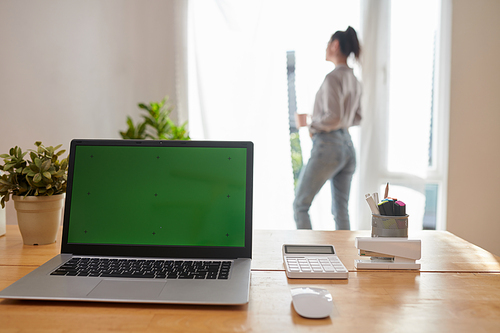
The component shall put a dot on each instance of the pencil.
(386, 194)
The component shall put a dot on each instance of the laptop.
(149, 221)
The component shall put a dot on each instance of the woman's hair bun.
(348, 41)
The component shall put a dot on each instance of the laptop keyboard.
(136, 268)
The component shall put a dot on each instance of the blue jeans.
(332, 158)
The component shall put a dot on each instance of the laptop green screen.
(173, 196)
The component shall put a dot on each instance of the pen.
(386, 194)
(372, 204)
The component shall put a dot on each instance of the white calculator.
(313, 262)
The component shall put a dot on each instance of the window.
(413, 140)
(251, 63)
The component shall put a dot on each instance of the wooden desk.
(370, 301)
(441, 250)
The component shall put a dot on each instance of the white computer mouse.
(312, 302)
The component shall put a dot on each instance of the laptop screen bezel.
(161, 251)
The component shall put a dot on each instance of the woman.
(336, 108)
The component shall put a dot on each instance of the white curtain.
(237, 91)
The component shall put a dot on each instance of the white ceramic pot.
(39, 217)
(3, 227)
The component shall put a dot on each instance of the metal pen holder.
(389, 226)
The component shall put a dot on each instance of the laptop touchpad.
(127, 290)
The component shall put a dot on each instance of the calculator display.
(308, 249)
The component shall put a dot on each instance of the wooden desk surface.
(441, 251)
(369, 301)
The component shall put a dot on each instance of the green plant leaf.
(130, 122)
(37, 178)
(38, 163)
(50, 150)
(64, 164)
(45, 165)
(156, 123)
(8, 166)
(47, 175)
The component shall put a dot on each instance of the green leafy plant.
(297, 161)
(156, 124)
(43, 174)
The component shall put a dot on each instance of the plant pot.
(3, 227)
(39, 217)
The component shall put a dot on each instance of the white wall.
(76, 69)
(474, 146)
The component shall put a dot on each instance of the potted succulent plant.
(38, 186)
